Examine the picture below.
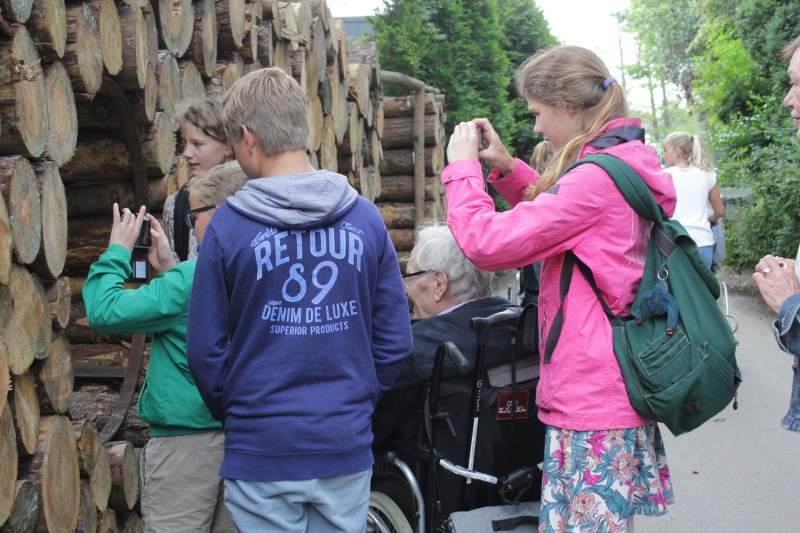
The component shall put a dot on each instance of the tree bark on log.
(59, 300)
(131, 523)
(265, 46)
(230, 24)
(203, 47)
(108, 522)
(109, 27)
(5, 375)
(102, 158)
(176, 19)
(19, 189)
(83, 55)
(124, 475)
(57, 378)
(19, 10)
(145, 101)
(401, 216)
(97, 199)
(158, 145)
(23, 97)
(48, 27)
(87, 512)
(95, 402)
(327, 152)
(399, 132)
(403, 106)
(280, 57)
(53, 250)
(54, 468)
(62, 131)
(169, 82)
(401, 188)
(316, 122)
(24, 404)
(29, 332)
(8, 462)
(396, 162)
(25, 511)
(6, 245)
(136, 52)
(192, 87)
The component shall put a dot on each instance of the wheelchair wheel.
(384, 516)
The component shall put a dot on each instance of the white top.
(692, 186)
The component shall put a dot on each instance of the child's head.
(210, 189)
(683, 148)
(205, 144)
(265, 115)
(573, 95)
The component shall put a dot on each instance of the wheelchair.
(473, 464)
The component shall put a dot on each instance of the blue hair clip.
(608, 81)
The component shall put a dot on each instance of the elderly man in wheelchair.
(457, 440)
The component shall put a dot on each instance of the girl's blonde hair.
(205, 115)
(542, 155)
(572, 78)
(692, 149)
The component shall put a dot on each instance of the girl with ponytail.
(695, 180)
(603, 462)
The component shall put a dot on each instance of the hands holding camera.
(125, 231)
(478, 139)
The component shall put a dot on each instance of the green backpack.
(680, 366)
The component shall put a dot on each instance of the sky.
(588, 23)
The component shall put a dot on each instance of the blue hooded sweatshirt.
(298, 320)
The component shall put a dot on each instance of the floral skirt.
(594, 481)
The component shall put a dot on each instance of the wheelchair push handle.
(451, 351)
(506, 317)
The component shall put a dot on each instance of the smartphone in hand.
(139, 263)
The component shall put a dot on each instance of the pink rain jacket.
(582, 387)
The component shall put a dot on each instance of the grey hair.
(436, 249)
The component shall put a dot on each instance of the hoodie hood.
(623, 138)
(297, 200)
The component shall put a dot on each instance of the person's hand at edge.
(125, 228)
(776, 280)
(492, 149)
(160, 253)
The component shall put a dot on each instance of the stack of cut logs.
(89, 92)
(396, 199)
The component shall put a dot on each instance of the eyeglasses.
(412, 274)
(191, 216)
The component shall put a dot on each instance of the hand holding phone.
(126, 227)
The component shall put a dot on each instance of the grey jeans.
(181, 487)
(327, 505)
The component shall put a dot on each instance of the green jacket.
(169, 400)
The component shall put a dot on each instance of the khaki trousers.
(181, 487)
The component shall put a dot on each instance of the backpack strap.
(641, 200)
(180, 233)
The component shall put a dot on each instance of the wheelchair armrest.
(452, 352)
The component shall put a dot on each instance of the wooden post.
(419, 156)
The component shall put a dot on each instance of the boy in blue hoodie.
(298, 321)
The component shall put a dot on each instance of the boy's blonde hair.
(216, 184)
(205, 115)
(571, 77)
(272, 105)
(692, 149)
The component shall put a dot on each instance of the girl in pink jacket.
(603, 462)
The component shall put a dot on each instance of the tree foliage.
(468, 50)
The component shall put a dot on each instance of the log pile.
(396, 199)
(89, 92)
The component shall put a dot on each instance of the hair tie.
(608, 81)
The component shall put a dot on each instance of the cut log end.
(169, 82)
(26, 413)
(57, 377)
(18, 184)
(84, 54)
(124, 475)
(176, 19)
(53, 250)
(110, 31)
(59, 299)
(159, 143)
(62, 131)
(48, 26)
(29, 331)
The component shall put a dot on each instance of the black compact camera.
(139, 263)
